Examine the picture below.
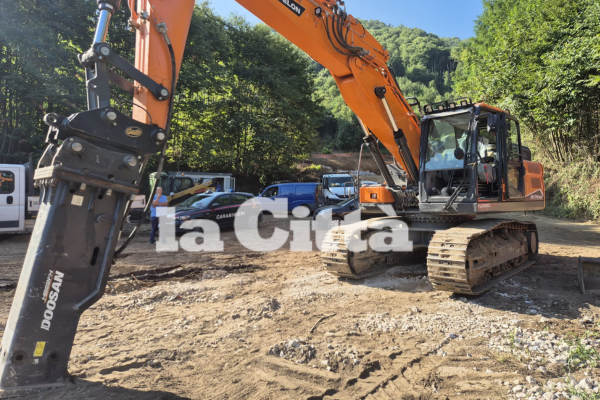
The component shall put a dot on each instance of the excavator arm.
(94, 161)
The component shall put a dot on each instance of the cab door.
(514, 179)
(12, 198)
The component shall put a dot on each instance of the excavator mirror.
(459, 153)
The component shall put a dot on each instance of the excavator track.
(342, 262)
(472, 257)
(467, 259)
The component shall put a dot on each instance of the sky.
(446, 18)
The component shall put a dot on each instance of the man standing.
(159, 201)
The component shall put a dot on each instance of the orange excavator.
(460, 160)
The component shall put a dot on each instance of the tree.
(245, 103)
(540, 59)
(38, 69)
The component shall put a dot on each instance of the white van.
(19, 203)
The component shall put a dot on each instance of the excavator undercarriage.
(469, 258)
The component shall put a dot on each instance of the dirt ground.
(251, 325)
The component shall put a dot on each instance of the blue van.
(297, 194)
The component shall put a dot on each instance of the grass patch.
(583, 395)
(573, 190)
(581, 355)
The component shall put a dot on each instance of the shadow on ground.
(83, 389)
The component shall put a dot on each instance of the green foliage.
(583, 395)
(423, 65)
(314, 168)
(573, 189)
(540, 59)
(38, 48)
(423, 58)
(245, 103)
(581, 355)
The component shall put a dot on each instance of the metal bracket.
(96, 58)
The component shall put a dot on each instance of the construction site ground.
(251, 325)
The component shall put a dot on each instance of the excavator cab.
(473, 162)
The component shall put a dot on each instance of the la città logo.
(51, 292)
(295, 7)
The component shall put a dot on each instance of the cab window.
(181, 184)
(7, 182)
(512, 133)
(486, 141)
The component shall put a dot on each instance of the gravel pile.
(266, 311)
(470, 322)
(560, 388)
(546, 348)
(296, 350)
(333, 358)
(337, 356)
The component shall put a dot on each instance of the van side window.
(7, 182)
(306, 189)
(286, 190)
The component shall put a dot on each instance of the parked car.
(307, 195)
(219, 207)
(340, 210)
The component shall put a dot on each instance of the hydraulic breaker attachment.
(92, 167)
(85, 191)
(88, 174)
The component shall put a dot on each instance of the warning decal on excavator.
(295, 7)
(39, 349)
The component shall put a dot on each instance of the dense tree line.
(244, 99)
(540, 59)
(249, 102)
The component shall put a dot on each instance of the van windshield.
(339, 181)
